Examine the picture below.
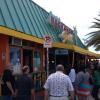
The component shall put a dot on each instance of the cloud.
(78, 13)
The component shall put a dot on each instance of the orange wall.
(4, 52)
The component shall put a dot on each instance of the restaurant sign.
(55, 22)
(61, 52)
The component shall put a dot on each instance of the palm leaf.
(93, 38)
(97, 48)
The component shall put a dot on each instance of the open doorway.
(27, 58)
(62, 56)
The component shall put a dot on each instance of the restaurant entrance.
(27, 58)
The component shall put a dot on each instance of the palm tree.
(93, 38)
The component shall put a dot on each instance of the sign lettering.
(55, 22)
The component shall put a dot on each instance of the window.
(36, 60)
(15, 59)
(15, 41)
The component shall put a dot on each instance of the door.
(27, 59)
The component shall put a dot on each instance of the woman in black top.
(8, 85)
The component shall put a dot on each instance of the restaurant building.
(23, 28)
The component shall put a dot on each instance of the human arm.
(32, 94)
(46, 87)
(46, 95)
(10, 87)
(71, 95)
(32, 90)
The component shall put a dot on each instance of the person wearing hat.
(25, 85)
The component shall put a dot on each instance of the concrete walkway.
(91, 98)
(39, 95)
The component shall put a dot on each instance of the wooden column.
(73, 58)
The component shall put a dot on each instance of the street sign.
(47, 42)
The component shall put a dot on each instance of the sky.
(79, 13)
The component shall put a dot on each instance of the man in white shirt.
(72, 75)
(58, 85)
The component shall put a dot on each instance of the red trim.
(83, 89)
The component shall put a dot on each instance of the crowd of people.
(21, 88)
(83, 84)
(60, 85)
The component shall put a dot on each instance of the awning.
(85, 52)
(10, 32)
(21, 35)
(62, 45)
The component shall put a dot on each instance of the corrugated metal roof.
(28, 17)
(78, 42)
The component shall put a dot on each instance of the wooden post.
(73, 59)
(0, 89)
(47, 62)
(85, 60)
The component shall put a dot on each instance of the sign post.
(47, 44)
(47, 62)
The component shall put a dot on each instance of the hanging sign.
(47, 41)
(61, 52)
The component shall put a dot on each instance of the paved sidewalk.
(39, 98)
(39, 95)
(91, 98)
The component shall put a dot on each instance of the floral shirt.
(58, 84)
